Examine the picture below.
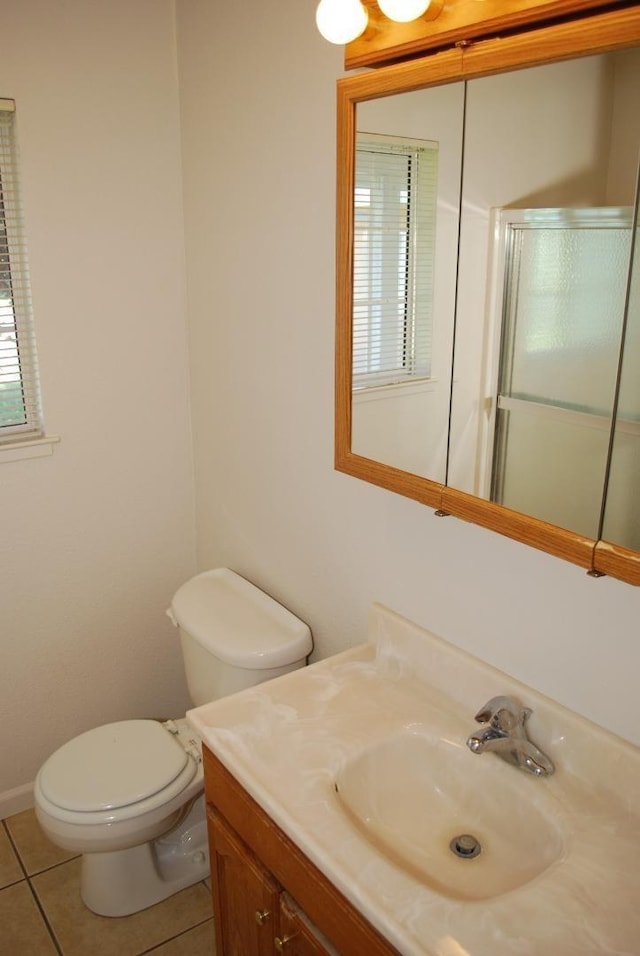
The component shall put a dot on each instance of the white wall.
(401, 425)
(258, 99)
(95, 539)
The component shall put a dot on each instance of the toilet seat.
(115, 772)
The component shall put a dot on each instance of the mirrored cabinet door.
(549, 171)
(621, 522)
(408, 163)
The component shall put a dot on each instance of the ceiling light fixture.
(341, 21)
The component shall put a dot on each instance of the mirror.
(405, 265)
(622, 509)
(515, 276)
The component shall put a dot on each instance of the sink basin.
(413, 797)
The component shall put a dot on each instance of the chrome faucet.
(506, 736)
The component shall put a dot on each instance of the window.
(20, 417)
(394, 250)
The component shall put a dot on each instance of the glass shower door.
(564, 292)
(622, 513)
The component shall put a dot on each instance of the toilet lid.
(112, 766)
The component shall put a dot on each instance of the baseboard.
(13, 801)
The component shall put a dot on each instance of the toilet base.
(122, 882)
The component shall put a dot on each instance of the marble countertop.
(287, 740)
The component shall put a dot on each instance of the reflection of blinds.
(19, 399)
(394, 248)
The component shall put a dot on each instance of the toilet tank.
(233, 635)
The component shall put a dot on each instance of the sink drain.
(465, 846)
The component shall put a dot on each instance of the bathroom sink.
(387, 723)
(471, 829)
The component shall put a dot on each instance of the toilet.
(129, 796)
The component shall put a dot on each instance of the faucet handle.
(503, 713)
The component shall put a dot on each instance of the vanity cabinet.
(254, 916)
(246, 898)
(268, 897)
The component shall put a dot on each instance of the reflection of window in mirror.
(403, 422)
(394, 247)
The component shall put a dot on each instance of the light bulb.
(341, 21)
(403, 10)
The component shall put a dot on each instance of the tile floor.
(41, 913)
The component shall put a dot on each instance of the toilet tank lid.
(238, 623)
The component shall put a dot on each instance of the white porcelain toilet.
(129, 796)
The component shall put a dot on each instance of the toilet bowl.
(129, 796)
(110, 794)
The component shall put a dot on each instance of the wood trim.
(617, 562)
(459, 21)
(218, 916)
(325, 906)
(345, 177)
(228, 858)
(305, 939)
(424, 490)
(601, 31)
(351, 90)
(512, 524)
(439, 68)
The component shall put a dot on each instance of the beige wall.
(106, 532)
(258, 99)
(95, 539)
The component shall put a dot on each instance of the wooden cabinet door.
(297, 936)
(245, 897)
(252, 843)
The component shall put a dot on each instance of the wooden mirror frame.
(597, 33)
(456, 21)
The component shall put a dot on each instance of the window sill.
(374, 393)
(28, 448)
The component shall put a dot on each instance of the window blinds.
(19, 393)
(394, 248)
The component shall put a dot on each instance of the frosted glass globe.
(403, 10)
(341, 21)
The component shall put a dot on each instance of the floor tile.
(78, 931)
(35, 849)
(10, 869)
(22, 930)
(200, 941)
